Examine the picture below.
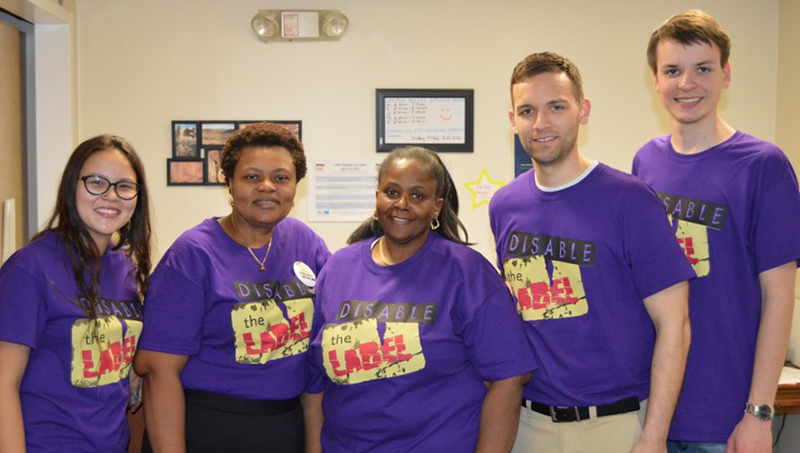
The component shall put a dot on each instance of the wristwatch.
(762, 412)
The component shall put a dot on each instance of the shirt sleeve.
(635, 164)
(495, 231)
(23, 309)
(776, 236)
(493, 333)
(656, 259)
(315, 378)
(322, 254)
(174, 310)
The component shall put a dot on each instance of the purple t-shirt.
(404, 349)
(735, 209)
(245, 331)
(580, 262)
(75, 389)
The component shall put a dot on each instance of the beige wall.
(145, 63)
(787, 134)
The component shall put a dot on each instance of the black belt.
(576, 414)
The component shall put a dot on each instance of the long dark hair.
(445, 188)
(78, 242)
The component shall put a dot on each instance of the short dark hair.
(266, 135)
(544, 62)
(687, 28)
(445, 188)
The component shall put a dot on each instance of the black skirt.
(218, 423)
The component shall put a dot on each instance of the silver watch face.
(762, 412)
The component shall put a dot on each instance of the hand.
(647, 445)
(135, 401)
(750, 435)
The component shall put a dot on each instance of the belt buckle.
(556, 419)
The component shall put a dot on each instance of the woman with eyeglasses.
(71, 309)
(229, 312)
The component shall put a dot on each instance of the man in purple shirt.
(734, 205)
(598, 279)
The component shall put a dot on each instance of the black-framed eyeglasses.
(98, 185)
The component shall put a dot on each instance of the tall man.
(597, 275)
(734, 204)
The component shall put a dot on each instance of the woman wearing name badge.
(70, 309)
(415, 334)
(229, 312)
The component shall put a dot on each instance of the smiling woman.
(422, 323)
(104, 211)
(406, 205)
(70, 308)
(230, 311)
(430, 198)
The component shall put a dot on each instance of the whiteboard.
(438, 119)
(425, 120)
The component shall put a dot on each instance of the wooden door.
(12, 179)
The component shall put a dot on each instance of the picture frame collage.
(197, 149)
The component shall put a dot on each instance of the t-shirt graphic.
(263, 331)
(545, 275)
(102, 351)
(356, 351)
(691, 219)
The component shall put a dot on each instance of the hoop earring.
(375, 216)
(435, 223)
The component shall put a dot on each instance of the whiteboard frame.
(380, 117)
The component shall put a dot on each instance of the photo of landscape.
(185, 139)
(217, 133)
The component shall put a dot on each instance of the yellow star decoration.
(483, 189)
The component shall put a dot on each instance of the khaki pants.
(609, 434)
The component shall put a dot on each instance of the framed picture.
(184, 140)
(217, 133)
(214, 174)
(197, 149)
(184, 172)
(441, 120)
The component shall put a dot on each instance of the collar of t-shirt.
(580, 178)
